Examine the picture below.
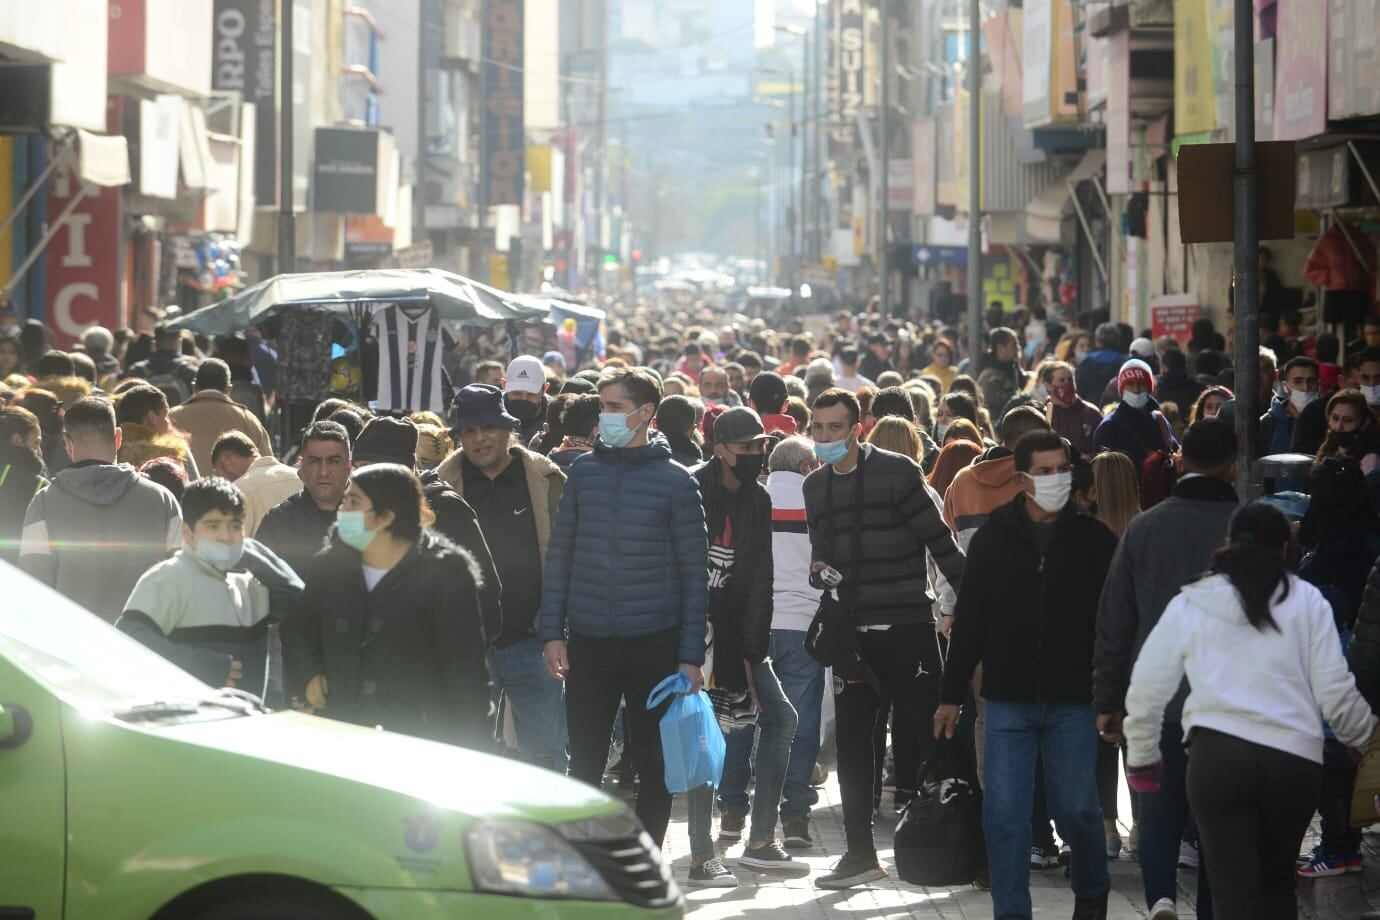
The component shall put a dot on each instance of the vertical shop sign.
(505, 147)
(83, 260)
(243, 51)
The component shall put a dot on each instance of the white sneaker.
(1164, 909)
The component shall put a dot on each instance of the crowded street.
(639, 459)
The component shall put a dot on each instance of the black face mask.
(747, 467)
(522, 410)
(1346, 439)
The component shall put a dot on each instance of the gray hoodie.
(95, 530)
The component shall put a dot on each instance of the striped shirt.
(411, 344)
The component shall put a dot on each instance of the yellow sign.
(1195, 104)
(498, 272)
(539, 167)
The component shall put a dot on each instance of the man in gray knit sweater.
(872, 519)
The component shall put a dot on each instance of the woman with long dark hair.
(389, 630)
(1259, 647)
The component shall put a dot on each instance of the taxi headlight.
(524, 858)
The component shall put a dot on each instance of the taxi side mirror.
(15, 725)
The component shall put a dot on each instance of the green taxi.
(130, 790)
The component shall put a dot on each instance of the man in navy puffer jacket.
(626, 587)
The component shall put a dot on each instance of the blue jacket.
(629, 552)
(1276, 429)
(1135, 433)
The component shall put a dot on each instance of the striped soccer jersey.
(411, 345)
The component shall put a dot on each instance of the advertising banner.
(83, 260)
(1195, 108)
(1301, 77)
(850, 44)
(1354, 62)
(1174, 315)
(504, 143)
(243, 49)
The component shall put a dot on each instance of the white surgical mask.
(1052, 491)
(940, 430)
(219, 556)
(1135, 400)
(1372, 395)
(1301, 398)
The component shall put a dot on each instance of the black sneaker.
(771, 857)
(712, 874)
(797, 834)
(731, 826)
(854, 869)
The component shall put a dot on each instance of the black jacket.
(296, 530)
(456, 521)
(1029, 621)
(741, 612)
(1176, 386)
(408, 655)
(21, 474)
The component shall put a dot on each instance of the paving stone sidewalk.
(762, 896)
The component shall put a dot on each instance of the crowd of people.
(1035, 553)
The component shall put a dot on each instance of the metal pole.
(884, 164)
(804, 145)
(1246, 200)
(53, 227)
(61, 149)
(287, 226)
(419, 164)
(974, 189)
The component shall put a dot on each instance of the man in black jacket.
(1027, 613)
(737, 511)
(872, 520)
(296, 527)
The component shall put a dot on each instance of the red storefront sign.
(83, 260)
(1174, 315)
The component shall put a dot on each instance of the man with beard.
(524, 396)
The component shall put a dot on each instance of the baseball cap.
(1143, 348)
(525, 375)
(768, 391)
(739, 425)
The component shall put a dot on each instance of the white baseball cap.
(525, 375)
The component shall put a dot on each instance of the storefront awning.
(1045, 213)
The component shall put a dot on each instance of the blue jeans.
(774, 733)
(538, 702)
(1063, 738)
(1163, 816)
(802, 683)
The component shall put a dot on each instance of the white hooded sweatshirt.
(1263, 686)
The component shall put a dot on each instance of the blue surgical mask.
(614, 429)
(219, 556)
(1135, 400)
(350, 526)
(832, 451)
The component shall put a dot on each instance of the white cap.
(525, 375)
(1143, 347)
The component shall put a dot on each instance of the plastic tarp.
(456, 298)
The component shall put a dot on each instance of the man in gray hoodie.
(98, 526)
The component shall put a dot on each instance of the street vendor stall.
(378, 336)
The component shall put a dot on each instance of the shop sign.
(1354, 59)
(243, 49)
(504, 144)
(347, 170)
(1300, 77)
(83, 260)
(1174, 315)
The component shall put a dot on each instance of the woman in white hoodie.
(1260, 650)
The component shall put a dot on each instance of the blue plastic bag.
(692, 745)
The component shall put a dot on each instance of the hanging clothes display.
(304, 354)
(411, 345)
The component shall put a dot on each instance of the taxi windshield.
(79, 656)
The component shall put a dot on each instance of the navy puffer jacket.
(629, 553)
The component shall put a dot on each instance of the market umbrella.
(456, 298)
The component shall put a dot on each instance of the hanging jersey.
(411, 344)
